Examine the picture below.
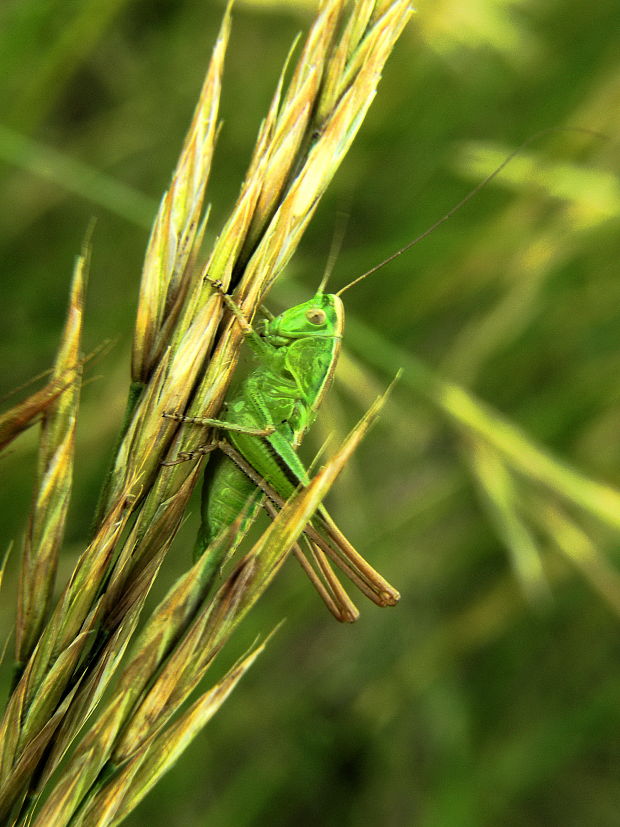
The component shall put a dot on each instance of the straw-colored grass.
(184, 354)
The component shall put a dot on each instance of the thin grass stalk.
(501, 497)
(577, 547)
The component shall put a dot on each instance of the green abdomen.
(226, 491)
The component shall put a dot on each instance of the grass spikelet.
(158, 755)
(122, 791)
(183, 359)
(178, 228)
(66, 628)
(162, 671)
(54, 476)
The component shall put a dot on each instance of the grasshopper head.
(322, 316)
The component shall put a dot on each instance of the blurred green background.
(485, 698)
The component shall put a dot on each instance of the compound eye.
(316, 316)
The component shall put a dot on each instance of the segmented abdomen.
(224, 497)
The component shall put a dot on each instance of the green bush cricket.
(267, 418)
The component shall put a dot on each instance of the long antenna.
(469, 196)
(342, 219)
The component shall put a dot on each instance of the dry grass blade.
(55, 471)
(163, 379)
(117, 798)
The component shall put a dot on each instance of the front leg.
(255, 341)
